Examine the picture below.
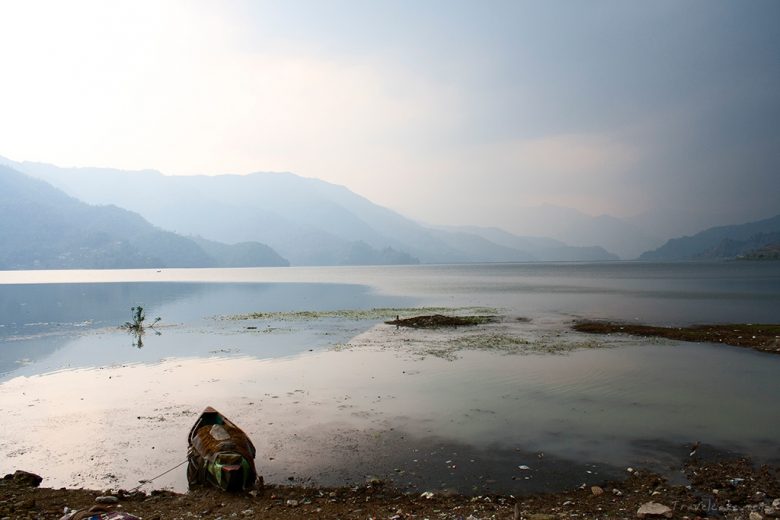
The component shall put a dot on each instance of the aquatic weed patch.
(513, 344)
(490, 341)
(500, 342)
(502, 337)
(383, 313)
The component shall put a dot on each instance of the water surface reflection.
(335, 415)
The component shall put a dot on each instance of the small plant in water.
(136, 326)
(139, 316)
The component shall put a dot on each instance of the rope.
(148, 481)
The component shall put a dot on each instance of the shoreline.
(731, 488)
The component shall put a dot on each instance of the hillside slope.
(310, 222)
(43, 228)
(718, 242)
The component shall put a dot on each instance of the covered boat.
(98, 513)
(220, 454)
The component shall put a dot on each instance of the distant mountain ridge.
(730, 248)
(43, 228)
(624, 237)
(767, 252)
(536, 249)
(308, 221)
(722, 242)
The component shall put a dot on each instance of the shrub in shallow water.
(139, 316)
(136, 326)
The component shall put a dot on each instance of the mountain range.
(150, 219)
(43, 228)
(718, 243)
(308, 221)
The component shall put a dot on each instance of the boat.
(220, 454)
(98, 513)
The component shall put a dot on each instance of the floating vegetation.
(358, 314)
(503, 337)
(501, 343)
(432, 331)
(449, 348)
(495, 341)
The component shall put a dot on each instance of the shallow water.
(334, 399)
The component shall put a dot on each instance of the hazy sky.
(449, 111)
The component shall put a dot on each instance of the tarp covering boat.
(220, 454)
(99, 515)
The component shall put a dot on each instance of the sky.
(451, 112)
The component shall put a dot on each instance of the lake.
(333, 395)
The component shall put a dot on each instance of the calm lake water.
(332, 397)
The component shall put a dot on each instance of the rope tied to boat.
(150, 480)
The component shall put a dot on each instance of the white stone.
(653, 509)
